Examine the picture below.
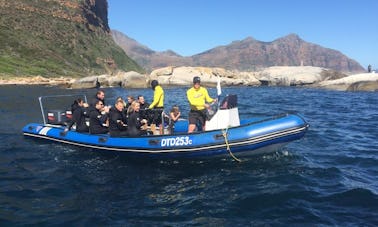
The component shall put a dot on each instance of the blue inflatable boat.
(225, 134)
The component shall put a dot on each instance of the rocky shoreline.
(181, 76)
(38, 80)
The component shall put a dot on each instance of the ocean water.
(328, 178)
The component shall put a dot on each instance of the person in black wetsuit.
(143, 110)
(134, 121)
(100, 96)
(79, 114)
(98, 121)
(130, 99)
(117, 120)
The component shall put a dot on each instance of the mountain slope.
(245, 55)
(147, 58)
(58, 38)
(290, 50)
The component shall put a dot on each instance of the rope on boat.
(224, 133)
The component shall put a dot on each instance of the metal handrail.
(55, 96)
(163, 114)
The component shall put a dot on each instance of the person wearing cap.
(157, 104)
(199, 100)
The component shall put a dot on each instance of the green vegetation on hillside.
(33, 42)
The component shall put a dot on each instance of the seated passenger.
(174, 115)
(120, 99)
(143, 110)
(79, 114)
(98, 121)
(130, 99)
(117, 120)
(135, 121)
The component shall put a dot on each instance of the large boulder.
(360, 82)
(128, 80)
(291, 75)
(183, 76)
(89, 82)
(364, 86)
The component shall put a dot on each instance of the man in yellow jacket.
(198, 98)
(158, 103)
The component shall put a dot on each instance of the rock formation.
(357, 82)
(121, 79)
(314, 77)
(182, 76)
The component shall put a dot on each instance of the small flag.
(219, 90)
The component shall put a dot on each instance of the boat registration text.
(178, 141)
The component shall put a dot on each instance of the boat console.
(226, 116)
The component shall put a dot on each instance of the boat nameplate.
(176, 141)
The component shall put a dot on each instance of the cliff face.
(58, 38)
(96, 13)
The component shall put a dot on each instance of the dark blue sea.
(328, 178)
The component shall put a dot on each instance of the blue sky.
(190, 27)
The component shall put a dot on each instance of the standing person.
(117, 120)
(98, 85)
(157, 104)
(198, 98)
(135, 121)
(79, 114)
(98, 121)
(100, 96)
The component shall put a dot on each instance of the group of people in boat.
(131, 118)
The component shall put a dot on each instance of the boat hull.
(251, 137)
